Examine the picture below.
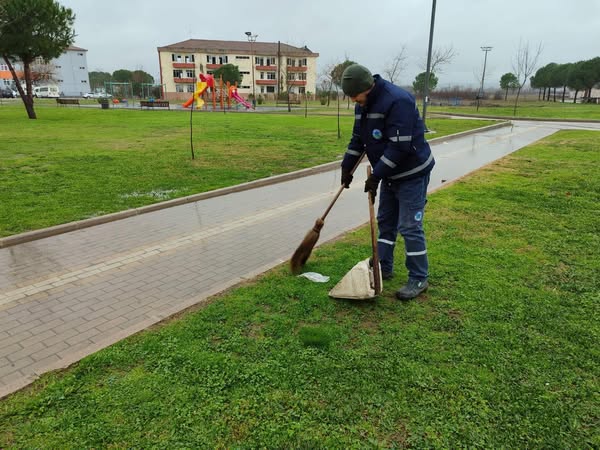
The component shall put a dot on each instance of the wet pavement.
(67, 296)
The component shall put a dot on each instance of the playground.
(225, 92)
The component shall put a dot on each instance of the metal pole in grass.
(192, 129)
(480, 95)
(338, 105)
(427, 74)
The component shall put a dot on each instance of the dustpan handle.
(376, 276)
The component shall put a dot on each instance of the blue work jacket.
(391, 131)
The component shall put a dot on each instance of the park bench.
(67, 101)
(154, 104)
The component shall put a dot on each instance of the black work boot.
(412, 289)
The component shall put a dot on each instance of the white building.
(71, 72)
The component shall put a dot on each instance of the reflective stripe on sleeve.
(387, 162)
(415, 170)
(401, 138)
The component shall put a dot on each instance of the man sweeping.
(389, 129)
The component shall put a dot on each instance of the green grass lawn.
(502, 351)
(75, 163)
(527, 109)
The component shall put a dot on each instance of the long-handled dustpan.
(364, 279)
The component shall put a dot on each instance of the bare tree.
(394, 68)
(43, 71)
(440, 57)
(524, 64)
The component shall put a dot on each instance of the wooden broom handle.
(377, 280)
(339, 192)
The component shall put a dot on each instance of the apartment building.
(69, 72)
(267, 68)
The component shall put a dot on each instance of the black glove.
(371, 186)
(346, 178)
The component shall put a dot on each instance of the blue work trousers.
(401, 210)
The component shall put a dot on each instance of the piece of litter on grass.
(314, 276)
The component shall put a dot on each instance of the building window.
(223, 59)
(81, 67)
(83, 81)
(190, 73)
(80, 54)
(271, 76)
(302, 62)
(271, 89)
(302, 76)
(189, 58)
(270, 61)
(302, 90)
(179, 88)
(177, 73)
(259, 61)
(242, 57)
(190, 87)
(291, 62)
(262, 89)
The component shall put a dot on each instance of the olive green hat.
(356, 79)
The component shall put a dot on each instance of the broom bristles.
(305, 248)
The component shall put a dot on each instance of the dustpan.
(364, 280)
(358, 283)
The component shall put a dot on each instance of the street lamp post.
(486, 50)
(427, 73)
(252, 39)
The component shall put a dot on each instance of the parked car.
(96, 95)
(6, 92)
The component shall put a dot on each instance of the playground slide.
(203, 86)
(239, 99)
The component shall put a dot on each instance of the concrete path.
(66, 296)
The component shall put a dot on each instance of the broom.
(305, 248)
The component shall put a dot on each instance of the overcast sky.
(124, 34)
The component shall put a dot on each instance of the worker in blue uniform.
(388, 127)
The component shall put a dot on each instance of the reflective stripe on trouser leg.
(412, 197)
(387, 222)
(416, 253)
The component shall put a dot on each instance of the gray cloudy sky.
(124, 34)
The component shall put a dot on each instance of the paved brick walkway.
(67, 296)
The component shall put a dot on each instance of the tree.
(139, 77)
(230, 73)
(419, 83)
(524, 64)
(577, 78)
(393, 69)
(97, 79)
(439, 57)
(33, 29)
(508, 81)
(122, 76)
(338, 71)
